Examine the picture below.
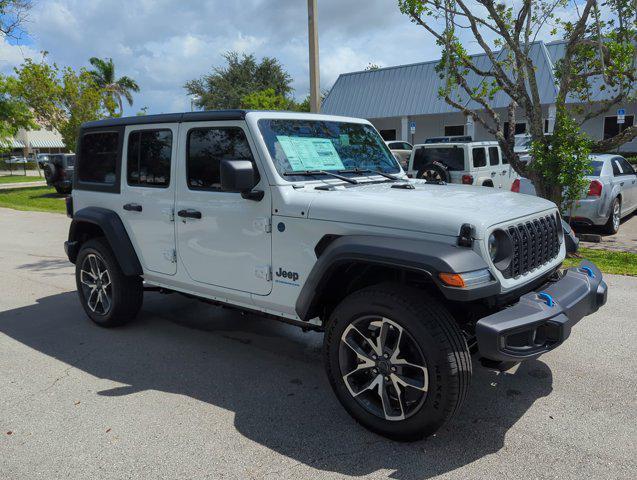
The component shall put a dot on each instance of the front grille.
(535, 242)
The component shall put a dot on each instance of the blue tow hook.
(547, 298)
(589, 271)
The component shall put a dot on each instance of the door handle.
(189, 213)
(133, 207)
(493, 174)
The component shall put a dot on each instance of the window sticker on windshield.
(310, 153)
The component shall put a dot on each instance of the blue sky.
(164, 43)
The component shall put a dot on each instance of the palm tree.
(104, 76)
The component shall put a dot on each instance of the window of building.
(479, 157)
(98, 153)
(206, 147)
(520, 128)
(494, 156)
(388, 135)
(546, 125)
(148, 159)
(454, 130)
(612, 128)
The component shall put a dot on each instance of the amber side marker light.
(466, 279)
(452, 280)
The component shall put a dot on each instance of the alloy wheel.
(616, 215)
(96, 284)
(383, 368)
(431, 175)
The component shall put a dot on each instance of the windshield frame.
(286, 175)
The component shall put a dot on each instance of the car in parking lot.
(611, 193)
(58, 172)
(461, 160)
(402, 151)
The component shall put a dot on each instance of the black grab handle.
(189, 213)
(133, 207)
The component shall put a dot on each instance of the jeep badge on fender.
(378, 265)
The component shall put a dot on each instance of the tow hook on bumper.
(542, 320)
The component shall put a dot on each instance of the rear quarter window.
(99, 158)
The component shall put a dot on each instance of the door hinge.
(264, 272)
(264, 224)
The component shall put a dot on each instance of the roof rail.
(450, 139)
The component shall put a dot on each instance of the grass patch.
(619, 263)
(19, 179)
(39, 199)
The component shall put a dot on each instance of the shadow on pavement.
(270, 374)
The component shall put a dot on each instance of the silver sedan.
(611, 195)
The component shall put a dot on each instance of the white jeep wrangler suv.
(309, 219)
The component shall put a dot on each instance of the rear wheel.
(108, 296)
(614, 218)
(397, 361)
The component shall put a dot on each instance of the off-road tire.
(435, 171)
(62, 190)
(127, 292)
(611, 227)
(441, 342)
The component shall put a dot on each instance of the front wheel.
(397, 361)
(108, 296)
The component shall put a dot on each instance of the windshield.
(311, 145)
(452, 157)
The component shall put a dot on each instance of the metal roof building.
(394, 97)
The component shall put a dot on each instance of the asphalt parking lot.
(192, 391)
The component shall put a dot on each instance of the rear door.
(148, 194)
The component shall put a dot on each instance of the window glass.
(451, 157)
(520, 128)
(612, 128)
(399, 146)
(596, 166)
(494, 156)
(627, 168)
(454, 130)
(206, 148)
(308, 145)
(616, 168)
(388, 135)
(148, 159)
(479, 157)
(70, 160)
(99, 158)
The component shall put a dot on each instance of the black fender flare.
(110, 223)
(424, 256)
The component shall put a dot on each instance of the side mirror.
(239, 176)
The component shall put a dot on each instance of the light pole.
(315, 88)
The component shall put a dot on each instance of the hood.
(435, 209)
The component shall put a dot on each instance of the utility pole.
(315, 88)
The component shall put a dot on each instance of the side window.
(494, 156)
(205, 149)
(98, 158)
(148, 159)
(617, 170)
(626, 167)
(479, 157)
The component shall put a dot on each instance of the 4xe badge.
(292, 277)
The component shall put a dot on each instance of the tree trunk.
(547, 190)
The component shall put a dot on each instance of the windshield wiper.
(367, 170)
(311, 173)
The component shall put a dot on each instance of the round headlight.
(500, 249)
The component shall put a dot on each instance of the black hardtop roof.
(168, 118)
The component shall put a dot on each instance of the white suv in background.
(460, 160)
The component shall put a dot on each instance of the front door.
(222, 238)
(148, 194)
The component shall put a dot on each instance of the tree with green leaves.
(600, 54)
(114, 88)
(243, 76)
(59, 98)
(14, 113)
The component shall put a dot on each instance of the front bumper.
(542, 319)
